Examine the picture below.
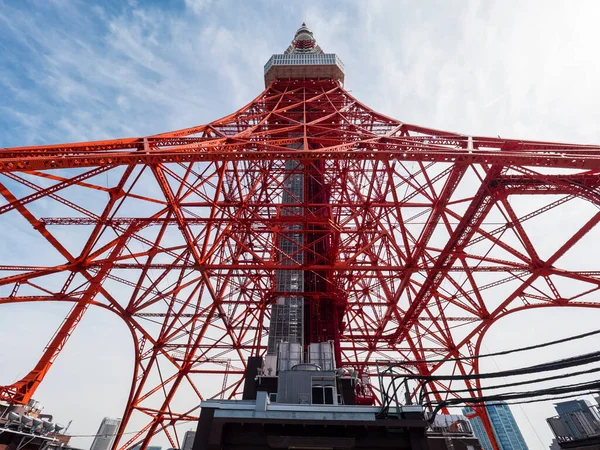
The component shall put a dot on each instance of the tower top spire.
(304, 42)
(304, 59)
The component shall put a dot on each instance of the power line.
(501, 353)
(565, 363)
(528, 396)
(576, 387)
(519, 383)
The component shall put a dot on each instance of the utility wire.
(503, 352)
(535, 400)
(573, 361)
(577, 387)
(519, 383)
(565, 391)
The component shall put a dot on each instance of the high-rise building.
(577, 419)
(478, 428)
(188, 440)
(506, 431)
(581, 418)
(106, 434)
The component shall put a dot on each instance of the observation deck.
(304, 65)
(304, 59)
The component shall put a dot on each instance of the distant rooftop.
(304, 59)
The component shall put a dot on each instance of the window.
(328, 395)
(322, 395)
(317, 395)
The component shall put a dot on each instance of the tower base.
(259, 424)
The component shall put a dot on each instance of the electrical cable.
(503, 352)
(564, 391)
(536, 400)
(519, 383)
(102, 434)
(565, 363)
(425, 378)
(577, 387)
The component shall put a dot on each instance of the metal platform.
(253, 425)
(301, 66)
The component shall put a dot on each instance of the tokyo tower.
(304, 218)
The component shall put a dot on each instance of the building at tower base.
(261, 424)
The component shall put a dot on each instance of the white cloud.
(198, 6)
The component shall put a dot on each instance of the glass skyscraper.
(506, 430)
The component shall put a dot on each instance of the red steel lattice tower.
(394, 241)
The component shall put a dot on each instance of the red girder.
(369, 150)
(406, 230)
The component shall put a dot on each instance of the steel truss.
(431, 238)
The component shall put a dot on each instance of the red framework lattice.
(430, 235)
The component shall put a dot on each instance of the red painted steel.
(416, 241)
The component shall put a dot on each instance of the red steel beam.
(406, 217)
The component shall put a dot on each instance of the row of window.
(323, 58)
(304, 59)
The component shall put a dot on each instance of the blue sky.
(81, 70)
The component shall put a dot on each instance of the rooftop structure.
(578, 422)
(25, 427)
(260, 424)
